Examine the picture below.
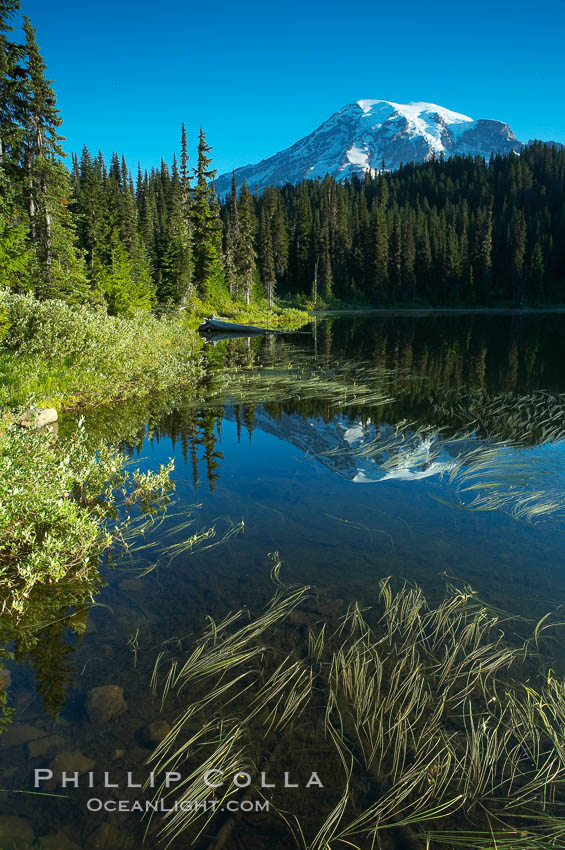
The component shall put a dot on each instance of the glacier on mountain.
(364, 135)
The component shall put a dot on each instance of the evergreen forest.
(447, 232)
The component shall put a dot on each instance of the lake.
(424, 447)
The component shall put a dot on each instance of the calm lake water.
(425, 447)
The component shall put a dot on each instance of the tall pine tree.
(206, 227)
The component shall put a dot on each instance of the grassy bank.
(65, 356)
(259, 313)
(60, 498)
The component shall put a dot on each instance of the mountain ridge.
(364, 134)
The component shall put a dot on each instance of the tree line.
(448, 231)
(89, 233)
(460, 230)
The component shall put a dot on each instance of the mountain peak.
(363, 134)
(413, 110)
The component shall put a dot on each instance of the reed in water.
(445, 726)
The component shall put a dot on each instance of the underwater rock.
(154, 733)
(42, 746)
(302, 618)
(60, 841)
(105, 702)
(19, 734)
(15, 833)
(109, 837)
(71, 761)
(38, 417)
(331, 607)
(136, 755)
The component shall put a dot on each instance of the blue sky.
(258, 76)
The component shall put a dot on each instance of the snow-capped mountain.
(364, 134)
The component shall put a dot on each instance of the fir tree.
(124, 291)
(176, 263)
(206, 227)
(267, 260)
(231, 237)
(245, 247)
(61, 268)
(381, 243)
(12, 91)
(17, 258)
(41, 122)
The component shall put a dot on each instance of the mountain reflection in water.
(469, 407)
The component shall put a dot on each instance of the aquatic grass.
(483, 454)
(424, 703)
(528, 418)
(340, 385)
(227, 757)
(205, 538)
(502, 477)
(486, 476)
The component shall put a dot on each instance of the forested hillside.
(88, 234)
(461, 230)
(456, 231)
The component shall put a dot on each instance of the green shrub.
(4, 323)
(63, 503)
(60, 506)
(64, 355)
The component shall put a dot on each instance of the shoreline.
(352, 311)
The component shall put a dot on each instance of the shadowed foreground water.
(426, 448)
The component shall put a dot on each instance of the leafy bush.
(50, 524)
(63, 503)
(65, 355)
(4, 323)
(60, 508)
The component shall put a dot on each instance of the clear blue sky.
(258, 76)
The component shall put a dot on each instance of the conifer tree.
(176, 265)
(408, 257)
(245, 247)
(266, 255)
(482, 251)
(206, 227)
(185, 180)
(61, 267)
(537, 273)
(41, 123)
(518, 247)
(381, 242)
(231, 237)
(279, 236)
(395, 257)
(301, 242)
(124, 290)
(12, 91)
(17, 258)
